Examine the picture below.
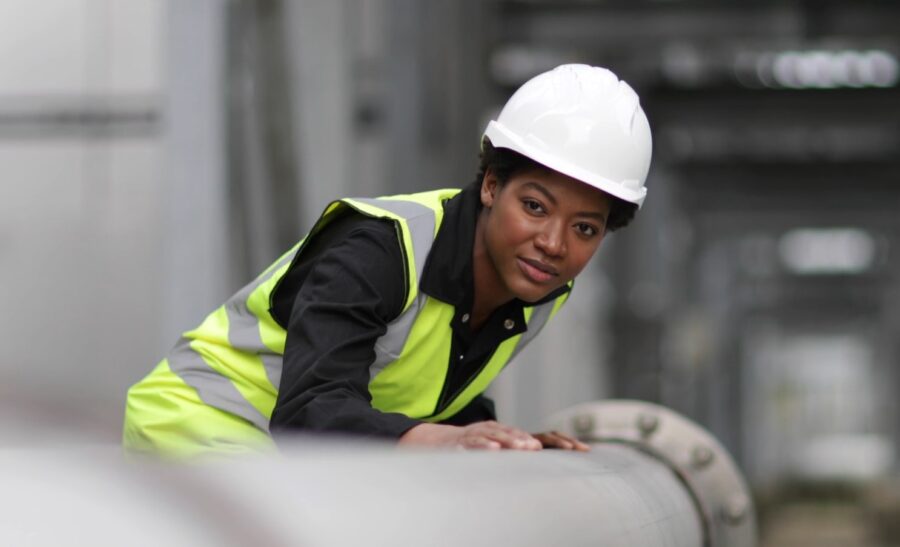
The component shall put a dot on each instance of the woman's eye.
(533, 206)
(586, 229)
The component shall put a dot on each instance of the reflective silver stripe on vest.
(243, 326)
(214, 389)
(421, 221)
(419, 218)
(389, 346)
(243, 334)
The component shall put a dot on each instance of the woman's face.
(539, 231)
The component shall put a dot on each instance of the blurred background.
(156, 155)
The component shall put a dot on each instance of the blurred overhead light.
(880, 68)
(811, 251)
(785, 69)
(763, 70)
(820, 69)
(683, 64)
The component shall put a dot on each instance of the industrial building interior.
(159, 154)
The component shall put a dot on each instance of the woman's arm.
(345, 292)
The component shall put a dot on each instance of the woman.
(394, 314)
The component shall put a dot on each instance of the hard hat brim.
(502, 138)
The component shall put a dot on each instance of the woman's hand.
(555, 439)
(478, 436)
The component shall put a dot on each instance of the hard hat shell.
(581, 121)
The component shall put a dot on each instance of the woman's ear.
(489, 188)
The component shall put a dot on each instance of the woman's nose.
(551, 239)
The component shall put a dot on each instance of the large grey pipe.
(622, 493)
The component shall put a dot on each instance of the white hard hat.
(581, 121)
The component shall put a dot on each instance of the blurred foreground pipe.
(326, 494)
(706, 471)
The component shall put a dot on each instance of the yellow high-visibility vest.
(216, 389)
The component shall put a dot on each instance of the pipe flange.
(696, 457)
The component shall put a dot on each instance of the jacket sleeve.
(351, 286)
(479, 409)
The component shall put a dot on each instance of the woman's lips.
(537, 271)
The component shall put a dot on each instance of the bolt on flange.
(647, 424)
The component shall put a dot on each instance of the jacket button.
(465, 318)
(509, 324)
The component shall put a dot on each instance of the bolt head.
(584, 424)
(647, 424)
(735, 509)
(701, 456)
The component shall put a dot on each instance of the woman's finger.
(514, 440)
(549, 440)
(555, 439)
(575, 443)
(477, 442)
(508, 437)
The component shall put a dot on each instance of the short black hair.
(504, 163)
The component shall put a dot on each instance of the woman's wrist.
(426, 434)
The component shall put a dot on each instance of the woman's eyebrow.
(539, 188)
(591, 214)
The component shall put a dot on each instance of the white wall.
(80, 211)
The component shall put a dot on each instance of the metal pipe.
(703, 465)
(327, 493)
